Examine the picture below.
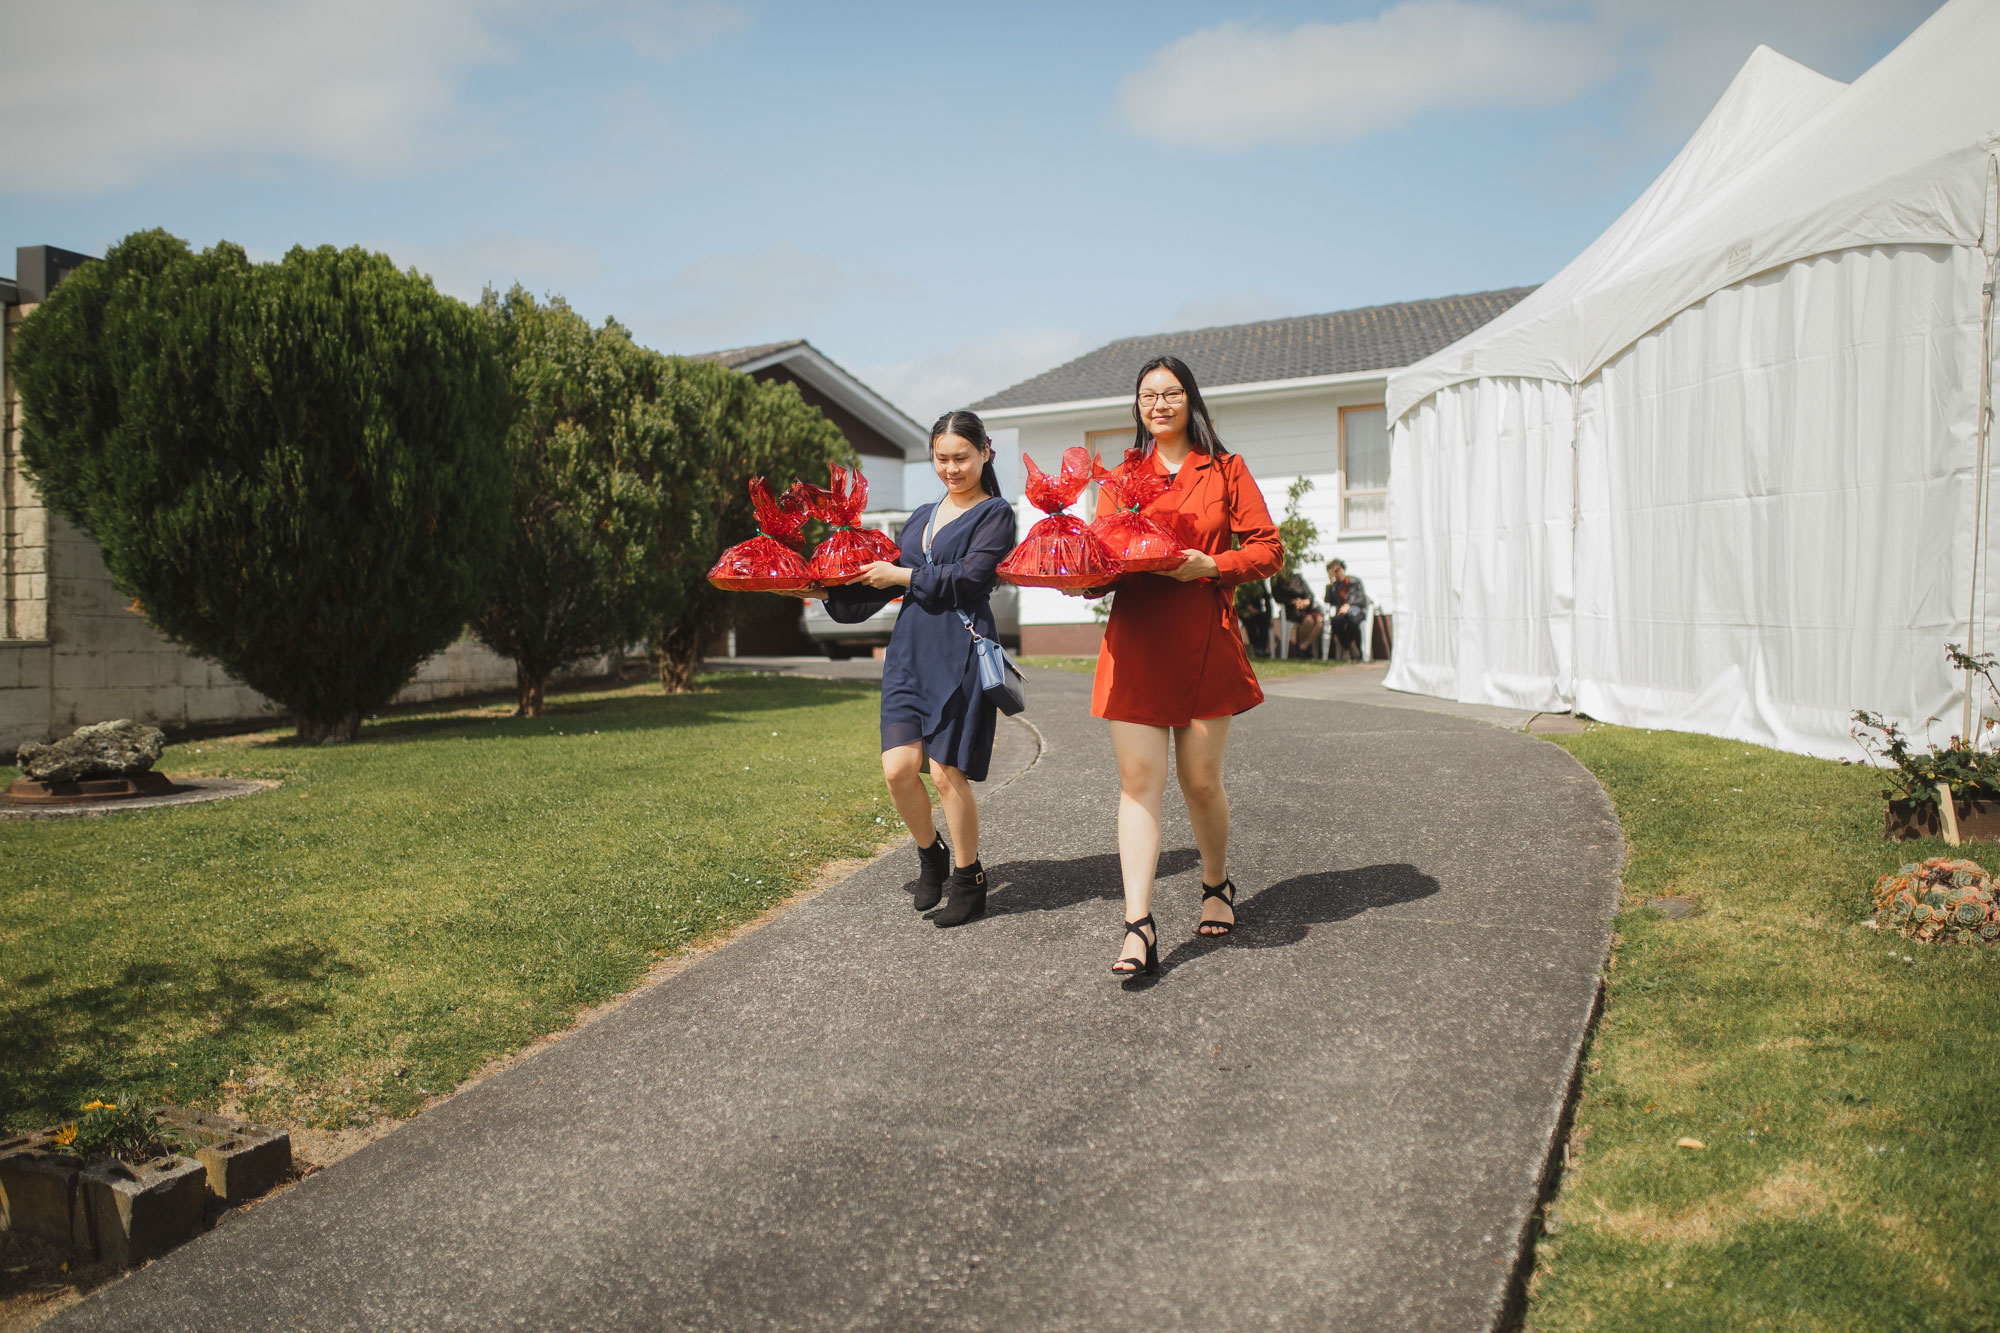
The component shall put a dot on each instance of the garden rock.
(103, 750)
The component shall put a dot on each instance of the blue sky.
(944, 198)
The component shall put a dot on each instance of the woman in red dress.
(1172, 670)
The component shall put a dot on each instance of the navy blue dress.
(930, 684)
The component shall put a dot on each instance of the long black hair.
(1200, 428)
(972, 430)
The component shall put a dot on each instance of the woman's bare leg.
(901, 769)
(961, 812)
(1198, 749)
(1142, 781)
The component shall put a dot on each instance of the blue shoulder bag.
(999, 679)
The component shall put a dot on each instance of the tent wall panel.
(1480, 498)
(1774, 528)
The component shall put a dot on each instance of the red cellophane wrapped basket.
(1139, 544)
(1059, 551)
(849, 550)
(768, 562)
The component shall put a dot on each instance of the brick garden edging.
(118, 1212)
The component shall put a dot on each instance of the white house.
(1299, 397)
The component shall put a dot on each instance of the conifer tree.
(734, 428)
(592, 463)
(294, 467)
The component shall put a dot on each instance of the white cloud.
(930, 386)
(1233, 86)
(101, 94)
(661, 32)
(465, 268)
(776, 292)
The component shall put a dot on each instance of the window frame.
(1348, 492)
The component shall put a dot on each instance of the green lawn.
(403, 909)
(1266, 668)
(1849, 1099)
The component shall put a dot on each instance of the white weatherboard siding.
(1722, 473)
(1283, 432)
(886, 488)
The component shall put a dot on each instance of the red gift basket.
(768, 562)
(1140, 545)
(1059, 551)
(849, 550)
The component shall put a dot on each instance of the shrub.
(1939, 901)
(1298, 534)
(1959, 763)
(293, 467)
(587, 455)
(731, 428)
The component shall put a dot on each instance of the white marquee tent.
(1726, 472)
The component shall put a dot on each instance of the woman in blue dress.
(931, 701)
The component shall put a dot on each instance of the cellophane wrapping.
(849, 549)
(768, 562)
(1140, 545)
(1060, 551)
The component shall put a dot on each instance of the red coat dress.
(1172, 652)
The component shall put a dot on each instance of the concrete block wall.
(24, 584)
(107, 662)
(24, 693)
(470, 667)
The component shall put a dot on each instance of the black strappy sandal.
(1215, 930)
(1132, 967)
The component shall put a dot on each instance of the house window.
(1364, 469)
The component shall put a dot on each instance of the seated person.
(1291, 592)
(1253, 612)
(1347, 604)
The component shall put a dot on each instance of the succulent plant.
(1941, 900)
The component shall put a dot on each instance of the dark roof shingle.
(737, 356)
(1383, 337)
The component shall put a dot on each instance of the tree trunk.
(336, 730)
(528, 691)
(677, 654)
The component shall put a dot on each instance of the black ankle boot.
(968, 896)
(934, 864)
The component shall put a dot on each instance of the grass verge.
(1842, 1080)
(404, 909)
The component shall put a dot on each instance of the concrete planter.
(39, 1191)
(1978, 820)
(125, 1213)
(243, 1160)
(140, 1212)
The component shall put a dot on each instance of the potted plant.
(1917, 778)
(137, 1196)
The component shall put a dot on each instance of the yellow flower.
(95, 1105)
(66, 1136)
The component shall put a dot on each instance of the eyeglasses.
(1171, 397)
